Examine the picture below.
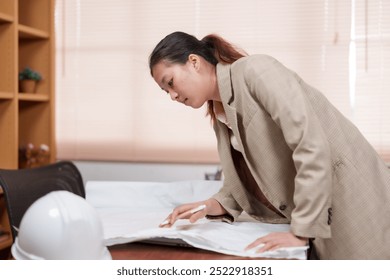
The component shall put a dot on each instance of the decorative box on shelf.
(31, 156)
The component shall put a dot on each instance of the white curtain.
(109, 107)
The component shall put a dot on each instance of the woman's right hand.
(189, 211)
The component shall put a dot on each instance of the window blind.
(109, 107)
(371, 98)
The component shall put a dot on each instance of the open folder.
(132, 211)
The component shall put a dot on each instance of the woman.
(287, 154)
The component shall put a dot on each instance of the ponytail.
(224, 52)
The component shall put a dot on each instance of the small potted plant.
(28, 79)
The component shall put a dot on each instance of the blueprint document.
(132, 211)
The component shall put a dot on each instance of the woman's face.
(192, 83)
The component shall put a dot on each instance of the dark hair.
(177, 46)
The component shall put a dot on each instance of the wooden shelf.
(6, 18)
(6, 95)
(33, 97)
(26, 40)
(26, 32)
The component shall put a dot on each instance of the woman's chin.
(194, 105)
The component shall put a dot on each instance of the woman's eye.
(170, 83)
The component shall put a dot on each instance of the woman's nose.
(174, 95)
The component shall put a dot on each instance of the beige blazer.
(310, 161)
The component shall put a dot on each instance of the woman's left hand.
(276, 240)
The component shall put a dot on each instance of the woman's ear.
(194, 60)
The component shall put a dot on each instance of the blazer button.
(329, 220)
(282, 207)
(330, 211)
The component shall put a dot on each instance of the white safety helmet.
(60, 226)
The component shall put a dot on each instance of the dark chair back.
(24, 186)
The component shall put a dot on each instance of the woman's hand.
(194, 211)
(276, 240)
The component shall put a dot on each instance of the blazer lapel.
(227, 97)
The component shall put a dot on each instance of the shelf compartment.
(35, 123)
(35, 13)
(36, 55)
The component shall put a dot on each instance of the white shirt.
(221, 116)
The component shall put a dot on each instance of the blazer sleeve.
(282, 94)
(231, 182)
(225, 198)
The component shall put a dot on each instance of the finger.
(173, 217)
(255, 243)
(198, 215)
(184, 215)
(178, 212)
(271, 245)
(267, 246)
(262, 240)
(181, 212)
(276, 247)
(193, 212)
(182, 209)
(198, 208)
(166, 222)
